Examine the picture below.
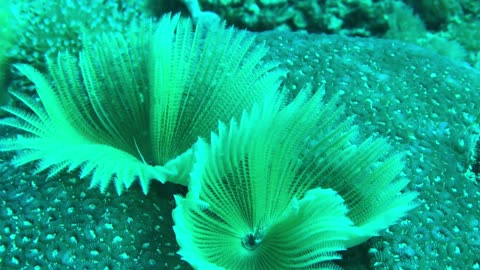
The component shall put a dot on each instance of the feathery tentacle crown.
(130, 107)
(285, 187)
(282, 186)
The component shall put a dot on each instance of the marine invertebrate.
(130, 108)
(286, 187)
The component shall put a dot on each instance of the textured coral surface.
(425, 104)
